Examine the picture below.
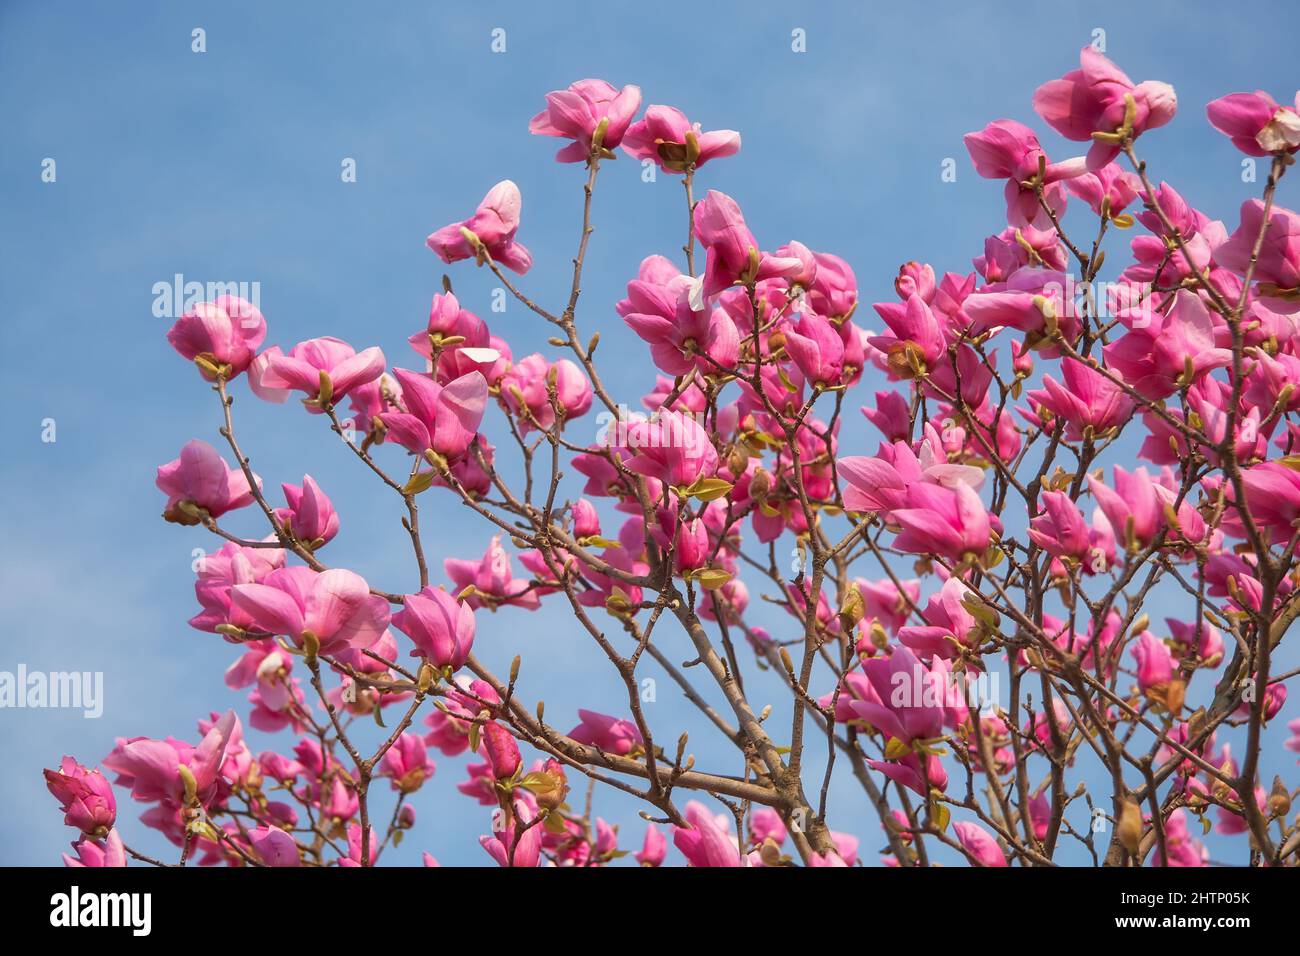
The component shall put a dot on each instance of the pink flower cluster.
(1058, 453)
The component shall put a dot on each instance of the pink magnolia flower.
(585, 109)
(518, 844)
(407, 763)
(492, 360)
(274, 847)
(979, 844)
(673, 448)
(1199, 234)
(85, 797)
(326, 369)
(218, 572)
(914, 342)
(1273, 496)
(881, 483)
(263, 661)
(586, 520)
(947, 625)
(1096, 98)
(1086, 400)
(693, 547)
(665, 136)
(1135, 507)
(765, 823)
(1031, 298)
(1184, 849)
(1132, 507)
(331, 610)
(606, 590)
(268, 666)
(653, 849)
(449, 728)
(1061, 531)
(732, 253)
(172, 771)
(682, 339)
(1155, 664)
(221, 336)
(1277, 269)
(1293, 742)
(886, 603)
(340, 802)
(606, 841)
(441, 627)
(815, 346)
(834, 293)
(367, 401)
(501, 750)
(1156, 357)
(449, 327)
(310, 515)
(491, 580)
(912, 701)
(846, 846)
(892, 416)
(491, 229)
(1204, 641)
(610, 734)
(946, 521)
(526, 389)
(1109, 189)
(354, 847)
(1009, 150)
(707, 841)
(199, 483)
(440, 418)
(108, 852)
(1274, 699)
(1255, 123)
(1014, 249)
(277, 701)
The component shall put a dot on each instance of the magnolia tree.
(966, 630)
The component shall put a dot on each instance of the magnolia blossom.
(1099, 98)
(1256, 124)
(440, 418)
(668, 138)
(1277, 266)
(85, 796)
(611, 734)
(199, 484)
(591, 113)
(979, 845)
(326, 369)
(221, 337)
(327, 611)
(488, 581)
(310, 516)
(957, 592)
(490, 231)
(441, 627)
(707, 841)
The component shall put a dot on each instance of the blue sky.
(225, 166)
